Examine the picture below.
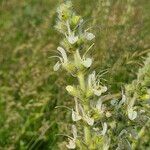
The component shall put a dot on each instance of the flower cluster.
(74, 58)
(96, 121)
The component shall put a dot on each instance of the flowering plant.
(97, 122)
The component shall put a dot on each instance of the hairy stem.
(81, 79)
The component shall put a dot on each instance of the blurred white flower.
(99, 105)
(86, 117)
(89, 120)
(62, 59)
(75, 114)
(86, 62)
(104, 128)
(131, 113)
(79, 114)
(72, 141)
(89, 36)
(71, 144)
(95, 86)
(123, 100)
(72, 39)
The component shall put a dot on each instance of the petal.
(123, 98)
(71, 144)
(132, 114)
(63, 53)
(70, 89)
(97, 92)
(113, 102)
(89, 36)
(75, 116)
(99, 104)
(87, 62)
(96, 129)
(104, 89)
(93, 76)
(78, 55)
(104, 128)
(91, 79)
(81, 110)
(76, 106)
(68, 27)
(122, 101)
(72, 39)
(74, 131)
(90, 121)
(57, 66)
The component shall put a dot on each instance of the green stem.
(87, 134)
(81, 81)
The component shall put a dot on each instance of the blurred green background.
(30, 90)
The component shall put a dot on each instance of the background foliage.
(30, 90)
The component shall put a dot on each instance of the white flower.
(99, 105)
(72, 141)
(131, 113)
(123, 100)
(113, 102)
(62, 59)
(72, 39)
(90, 121)
(104, 128)
(86, 62)
(86, 117)
(89, 36)
(71, 144)
(95, 86)
(63, 8)
(57, 66)
(75, 114)
(79, 114)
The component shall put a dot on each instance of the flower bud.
(72, 90)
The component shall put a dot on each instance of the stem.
(81, 81)
(87, 134)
